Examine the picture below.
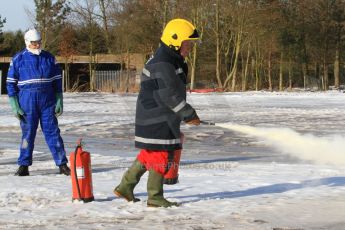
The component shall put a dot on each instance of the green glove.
(18, 112)
(59, 104)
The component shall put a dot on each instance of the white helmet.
(32, 35)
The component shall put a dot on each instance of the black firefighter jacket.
(161, 104)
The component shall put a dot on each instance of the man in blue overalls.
(34, 85)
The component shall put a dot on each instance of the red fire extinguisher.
(81, 174)
(171, 177)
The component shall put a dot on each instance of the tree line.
(245, 45)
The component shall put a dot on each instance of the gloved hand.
(18, 112)
(194, 121)
(59, 104)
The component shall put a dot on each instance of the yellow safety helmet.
(177, 31)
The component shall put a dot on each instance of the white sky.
(15, 14)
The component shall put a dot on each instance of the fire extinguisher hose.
(75, 170)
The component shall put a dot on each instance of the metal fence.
(116, 81)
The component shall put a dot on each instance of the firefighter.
(34, 85)
(161, 106)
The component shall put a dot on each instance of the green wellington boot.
(129, 180)
(155, 191)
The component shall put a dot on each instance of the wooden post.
(0, 82)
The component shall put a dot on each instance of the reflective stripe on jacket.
(161, 104)
(31, 71)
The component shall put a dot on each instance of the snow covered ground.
(273, 161)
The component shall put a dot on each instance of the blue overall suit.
(35, 79)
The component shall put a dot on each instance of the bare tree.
(218, 47)
(281, 71)
(338, 21)
(86, 15)
(246, 44)
(104, 6)
(67, 50)
(2, 22)
(321, 28)
(2, 46)
(237, 34)
(198, 14)
(49, 16)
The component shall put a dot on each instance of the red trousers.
(155, 159)
(158, 160)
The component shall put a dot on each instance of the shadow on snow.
(270, 189)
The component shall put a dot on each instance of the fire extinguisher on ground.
(171, 176)
(81, 174)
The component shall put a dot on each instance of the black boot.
(64, 170)
(23, 170)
